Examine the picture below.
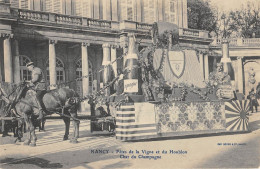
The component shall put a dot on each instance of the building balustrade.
(39, 16)
(33, 15)
(65, 19)
(99, 23)
(143, 26)
(190, 32)
(238, 42)
(61, 19)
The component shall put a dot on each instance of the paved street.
(102, 150)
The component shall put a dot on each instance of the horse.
(62, 101)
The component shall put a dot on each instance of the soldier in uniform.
(38, 84)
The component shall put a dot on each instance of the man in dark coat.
(253, 100)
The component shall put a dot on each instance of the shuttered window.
(127, 10)
(48, 5)
(24, 4)
(81, 8)
(14, 3)
(170, 11)
(37, 5)
(57, 4)
(149, 11)
(86, 8)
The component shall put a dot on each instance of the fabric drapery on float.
(191, 73)
(136, 121)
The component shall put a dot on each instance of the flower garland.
(181, 98)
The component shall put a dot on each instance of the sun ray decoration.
(237, 113)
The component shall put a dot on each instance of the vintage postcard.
(137, 84)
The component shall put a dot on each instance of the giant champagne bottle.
(132, 83)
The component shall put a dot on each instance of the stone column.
(138, 11)
(105, 64)
(114, 8)
(8, 59)
(240, 80)
(106, 10)
(201, 63)
(17, 77)
(185, 14)
(180, 13)
(160, 10)
(206, 66)
(91, 8)
(96, 9)
(113, 58)
(52, 64)
(85, 66)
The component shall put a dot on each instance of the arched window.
(60, 73)
(79, 74)
(24, 72)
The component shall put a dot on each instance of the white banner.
(131, 85)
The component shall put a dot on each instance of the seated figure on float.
(220, 80)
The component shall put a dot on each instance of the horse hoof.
(65, 138)
(74, 141)
(17, 140)
(33, 144)
(26, 142)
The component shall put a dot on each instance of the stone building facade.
(72, 38)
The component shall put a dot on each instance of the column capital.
(106, 45)
(6, 35)
(201, 52)
(114, 46)
(51, 41)
(240, 57)
(85, 44)
(204, 52)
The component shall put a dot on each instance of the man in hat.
(219, 77)
(38, 84)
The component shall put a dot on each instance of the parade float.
(165, 94)
(161, 92)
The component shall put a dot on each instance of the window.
(149, 11)
(53, 6)
(60, 73)
(127, 10)
(37, 5)
(81, 8)
(79, 75)
(170, 11)
(24, 72)
(79, 71)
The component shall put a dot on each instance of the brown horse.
(60, 100)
